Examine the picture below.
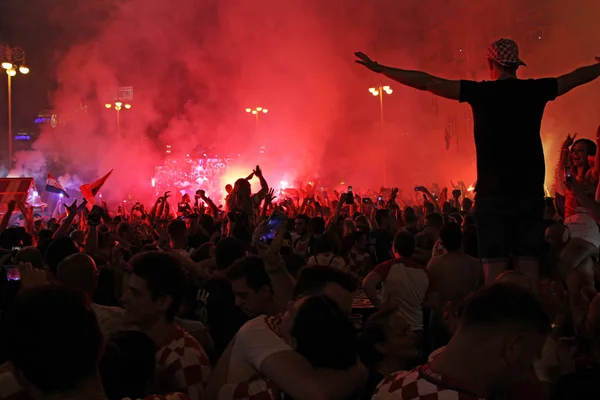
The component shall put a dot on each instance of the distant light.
(11, 72)
(128, 106)
(460, 50)
(342, 183)
(259, 109)
(124, 201)
(187, 155)
(24, 70)
(248, 110)
(108, 105)
(204, 155)
(118, 103)
(375, 93)
(7, 65)
(22, 137)
(539, 38)
(153, 182)
(265, 110)
(35, 193)
(470, 189)
(254, 112)
(60, 195)
(283, 184)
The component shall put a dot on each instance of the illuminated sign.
(42, 119)
(22, 137)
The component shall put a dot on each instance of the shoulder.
(394, 386)
(262, 325)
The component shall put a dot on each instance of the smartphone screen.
(12, 273)
(275, 223)
(568, 175)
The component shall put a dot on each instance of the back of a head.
(504, 306)
(374, 334)
(317, 225)
(228, 251)
(435, 220)
(312, 279)
(404, 244)
(451, 237)
(324, 335)
(30, 255)
(381, 216)
(176, 229)
(58, 250)
(252, 269)
(409, 215)
(164, 276)
(77, 271)
(55, 340)
(127, 365)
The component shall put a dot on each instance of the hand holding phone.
(568, 175)
(12, 273)
(276, 222)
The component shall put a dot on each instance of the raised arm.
(415, 79)
(579, 77)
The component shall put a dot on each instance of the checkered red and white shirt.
(182, 365)
(412, 385)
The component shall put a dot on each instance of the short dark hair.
(435, 219)
(58, 250)
(312, 279)
(504, 304)
(176, 228)
(303, 217)
(381, 215)
(127, 365)
(164, 276)
(317, 225)
(228, 251)
(451, 237)
(54, 337)
(252, 269)
(324, 335)
(404, 244)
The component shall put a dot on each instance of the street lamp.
(13, 60)
(256, 112)
(118, 105)
(379, 91)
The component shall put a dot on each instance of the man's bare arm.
(579, 77)
(449, 89)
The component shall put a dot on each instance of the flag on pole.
(89, 190)
(54, 186)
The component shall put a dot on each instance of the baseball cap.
(505, 52)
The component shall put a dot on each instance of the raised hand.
(167, 195)
(270, 196)
(569, 141)
(72, 209)
(258, 172)
(363, 59)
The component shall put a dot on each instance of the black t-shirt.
(507, 116)
(381, 245)
(217, 310)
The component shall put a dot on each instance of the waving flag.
(54, 186)
(89, 190)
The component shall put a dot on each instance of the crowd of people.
(264, 298)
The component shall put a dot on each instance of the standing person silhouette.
(507, 116)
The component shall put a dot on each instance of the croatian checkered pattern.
(182, 366)
(257, 389)
(407, 385)
(504, 52)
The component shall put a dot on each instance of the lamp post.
(13, 60)
(118, 105)
(256, 112)
(379, 91)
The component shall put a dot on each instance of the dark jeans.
(509, 226)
